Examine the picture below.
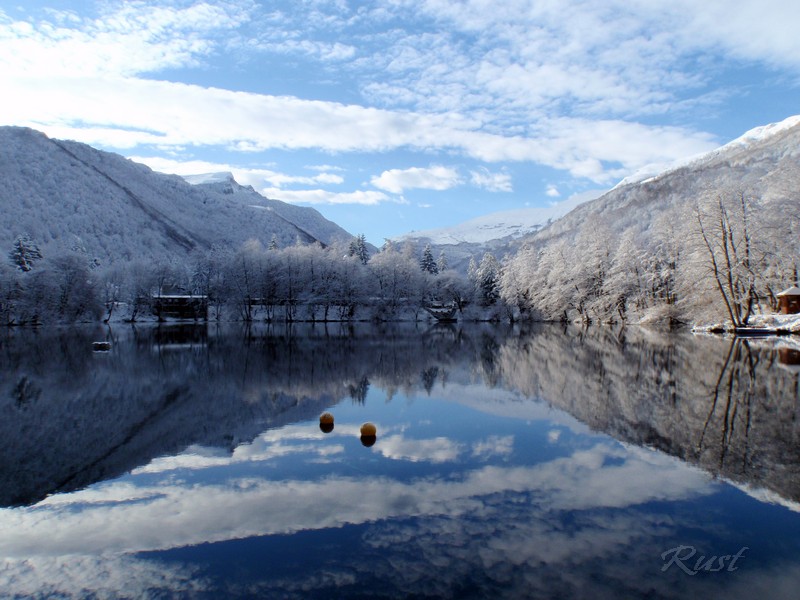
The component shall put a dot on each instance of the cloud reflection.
(436, 450)
(152, 517)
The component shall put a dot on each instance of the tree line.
(724, 257)
(299, 282)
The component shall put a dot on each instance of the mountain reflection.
(727, 406)
(195, 464)
(159, 390)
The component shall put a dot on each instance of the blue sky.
(398, 115)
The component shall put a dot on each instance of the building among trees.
(789, 301)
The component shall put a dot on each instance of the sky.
(394, 116)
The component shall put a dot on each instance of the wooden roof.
(792, 291)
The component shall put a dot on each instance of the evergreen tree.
(25, 253)
(427, 263)
(472, 270)
(361, 249)
(487, 278)
(441, 263)
(273, 243)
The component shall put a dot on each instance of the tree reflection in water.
(477, 500)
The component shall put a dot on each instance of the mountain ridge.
(69, 196)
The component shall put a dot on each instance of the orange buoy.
(326, 422)
(368, 434)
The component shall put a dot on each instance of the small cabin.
(180, 306)
(789, 301)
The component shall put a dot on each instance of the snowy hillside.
(709, 241)
(70, 196)
(762, 163)
(306, 221)
(501, 225)
(749, 139)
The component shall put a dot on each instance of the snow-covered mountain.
(70, 196)
(500, 225)
(763, 163)
(499, 233)
(747, 140)
(665, 247)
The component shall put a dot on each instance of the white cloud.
(258, 178)
(566, 85)
(80, 82)
(328, 168)
(528, 60)
(320, 196)
(493, 182)
(323, 51)
(129, 38)
(397, 181)
(552, 191)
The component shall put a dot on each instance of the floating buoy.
(326, 422)
(368, 434)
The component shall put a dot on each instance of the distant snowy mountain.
(500, 225)
(70, 196)
(499, 233)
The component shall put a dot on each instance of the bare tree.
(726, 231)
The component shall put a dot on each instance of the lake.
(547, 462)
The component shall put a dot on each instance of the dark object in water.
(101, 346)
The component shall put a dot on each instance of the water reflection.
(196, 466)
(726, 405)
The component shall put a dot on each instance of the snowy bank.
(768, 324)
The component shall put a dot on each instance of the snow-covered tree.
(137, 288)
(441, 262)
(25, 253)
(76, 296)
(725, 226)
(487, 280)
(398, 279)
(209, 277)
(358, 248)
(427, 262)
(244, 279)
(11, 292)
(451, 286)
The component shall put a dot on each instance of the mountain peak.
(204, 178)
(755, 136)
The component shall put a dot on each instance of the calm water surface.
(544, 463)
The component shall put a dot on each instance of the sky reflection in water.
(478, 485)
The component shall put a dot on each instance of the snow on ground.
(775, 322)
